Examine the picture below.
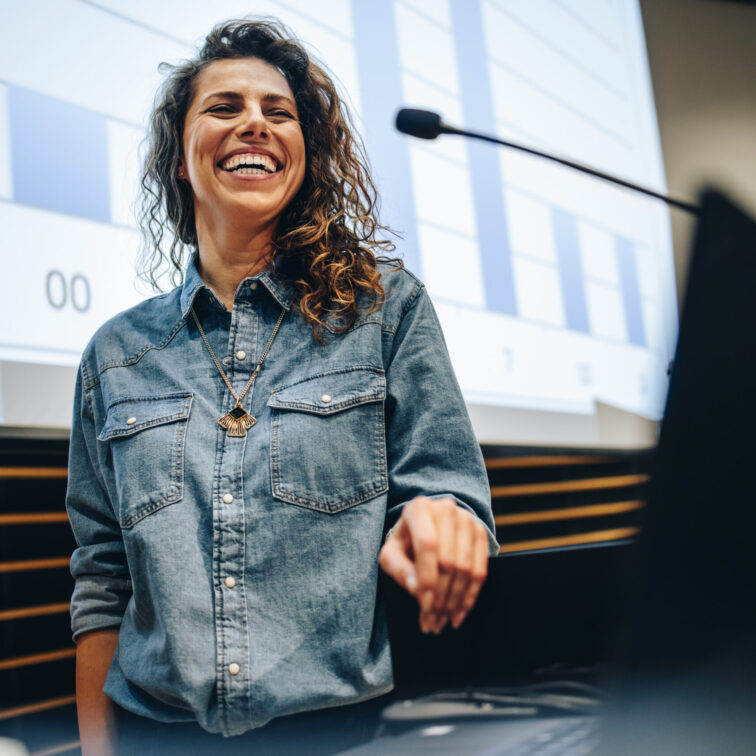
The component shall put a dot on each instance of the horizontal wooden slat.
(568, 513)
(566, 486)
(27, 661)
(34, 518)
(598, 536)
(546, 460)
(62, 748)
(41, 610)
(33, 472)
(32, 708)
(34, 564)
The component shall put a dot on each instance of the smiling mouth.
(251, 164)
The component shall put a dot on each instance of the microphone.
(419, 123)
(425, 124)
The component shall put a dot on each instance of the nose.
(253, 123)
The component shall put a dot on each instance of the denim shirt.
(243, 571)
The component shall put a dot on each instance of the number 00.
(59, 291)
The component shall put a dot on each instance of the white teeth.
(250, 160)
(250, 171)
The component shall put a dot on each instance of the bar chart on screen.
(554, 291)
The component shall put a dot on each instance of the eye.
(279, 113)
(223, 108)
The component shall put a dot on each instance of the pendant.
(237, 422)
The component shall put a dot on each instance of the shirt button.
(131, 421)
(228, 499)
(325, 398)
(253, 285)
(233, 668)
(225, 360)
(230, 582)
(241, 354)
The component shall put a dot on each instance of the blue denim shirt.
(243, 571)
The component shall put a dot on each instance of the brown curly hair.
(326, 243)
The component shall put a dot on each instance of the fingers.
(394, 561)
(444, 517)
(465, 559)
(478, 575)
(424, 537)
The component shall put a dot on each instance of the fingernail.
(424, 624)
(411, 582)
(442, 624)
(427, 600)
(457, 619)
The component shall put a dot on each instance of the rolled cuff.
(98, 602)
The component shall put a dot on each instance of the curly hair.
(326, 243)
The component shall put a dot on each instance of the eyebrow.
(231, 95)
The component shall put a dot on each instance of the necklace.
(238, 421)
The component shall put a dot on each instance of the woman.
(242, 444)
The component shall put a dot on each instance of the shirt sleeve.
(102, 586)
(432, 450)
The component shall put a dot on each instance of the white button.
(230, 582)
(227, 498)
(325, 398)
(241, 354)
(253, 285)
(131, 421)
(233, 668)
(225, 360)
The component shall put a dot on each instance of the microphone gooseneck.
(425, 124)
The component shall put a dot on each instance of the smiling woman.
(327, 233)
(248, 448)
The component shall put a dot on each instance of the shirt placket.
(229, 538)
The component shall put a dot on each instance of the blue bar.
(380, 81)
(570, 270)
(636, 332)
(59, 155)
(485, 174)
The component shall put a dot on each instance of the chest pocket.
(328, 448)
(146, 439)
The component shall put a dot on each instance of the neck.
(228, 257)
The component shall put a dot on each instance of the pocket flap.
(128, 416)
(332, 392)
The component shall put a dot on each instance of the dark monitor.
(697, 575)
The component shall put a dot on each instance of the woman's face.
(243, 150)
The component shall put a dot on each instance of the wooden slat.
(34, 518)
(27, 565)
(33, 472)
(62, 748)
(565, 486)
(31, 659)
(598, 536)
(40, 610)
(33, 708)
(548, 460)
(568, 513)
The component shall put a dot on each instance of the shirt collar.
(282, 291)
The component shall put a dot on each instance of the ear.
(181, 172)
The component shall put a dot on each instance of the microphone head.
(424, 124)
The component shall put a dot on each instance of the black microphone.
(419, 123)
(426, 124)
